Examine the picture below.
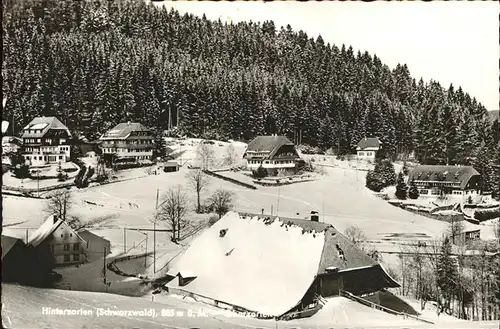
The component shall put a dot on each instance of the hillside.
(95, 64)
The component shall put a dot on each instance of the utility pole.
(323, 210)
(124, 241)
(278, 205)
(26, 236)
(104, 271)
(271, 210)
(146, 253)
(154, 230)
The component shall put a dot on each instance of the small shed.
(171, 166)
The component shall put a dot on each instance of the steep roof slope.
(259, 265)
(123, 130)
(269, 144)
(266, 264)
(365, 143)
(86, 234)
(453, 174)
(42, 125)
(8, 242)
(45, 230)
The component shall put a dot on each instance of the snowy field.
(340, 198)
(23, 309)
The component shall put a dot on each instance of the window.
(423, 192)
(362, 153)
(76, 257)
(435, 192)
(369, 154)
(66, 246)
(60, 157)
(66, 258)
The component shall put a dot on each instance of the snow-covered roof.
(372, 143)
(8, 242)
(186, 274)
(39, 126)
(259, 267)
(123, 131)
(267, 144)
(45, 230)
(267, 264)
(450, 174)
(51, 224)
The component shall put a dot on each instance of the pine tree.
(128, 61)
(413, 190)
(382, 176)
(482, 163)
(401, 187)
(447, 273)
(160, 147)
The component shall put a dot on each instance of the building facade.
(274, 153)
(129, 142)
(95, 246)
(457, 182)
(65, 245)
(367, 148)
(46, 141)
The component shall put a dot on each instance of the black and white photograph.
(250, 164)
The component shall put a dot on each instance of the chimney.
(55, 219)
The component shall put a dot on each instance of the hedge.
(482, 215)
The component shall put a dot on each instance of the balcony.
(38, 152)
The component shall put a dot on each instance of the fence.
(41, 189)
(232, 180)
(365, 302)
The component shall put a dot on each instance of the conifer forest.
(94, 64)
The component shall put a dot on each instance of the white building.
(45, 141)
(129, 141)
(271, 152)
(457, 182)
(367, 148)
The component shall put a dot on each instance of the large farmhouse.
(57, 237)
(273, 153)
(273, 266)
(129, 142)
(460, 182)
(46, 140)
(367, 148)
